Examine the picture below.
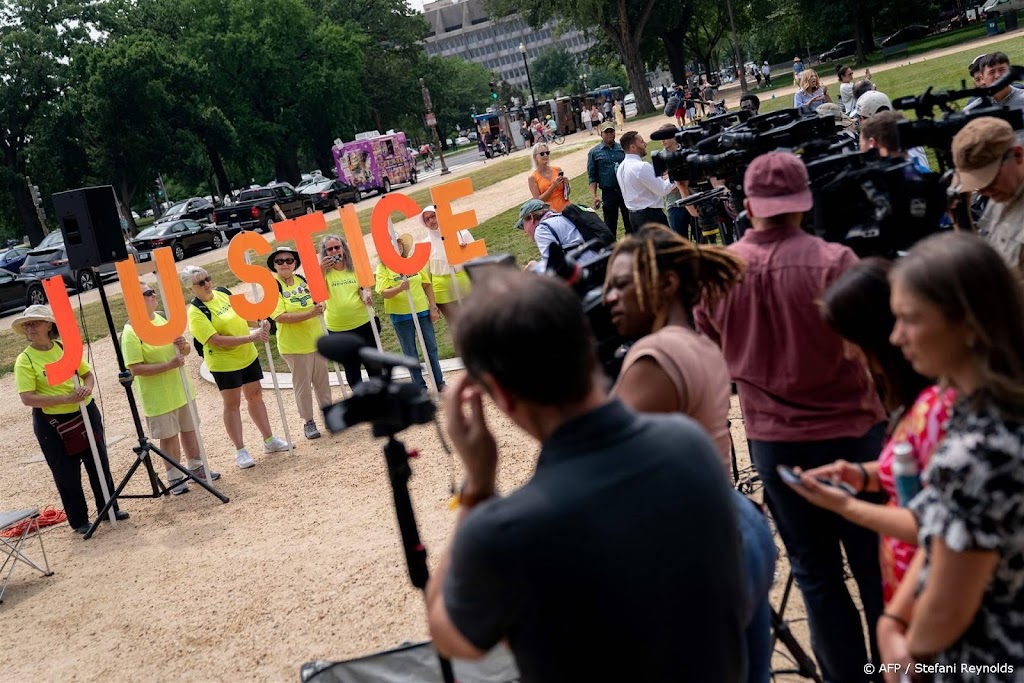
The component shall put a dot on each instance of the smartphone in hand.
(793, 479)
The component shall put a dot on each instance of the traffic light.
(494, 90)
(158, 189)
(37, 199)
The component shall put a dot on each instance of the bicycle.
(428, 162)
(557, 138)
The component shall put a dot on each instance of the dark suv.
(50, 258)
(842, 49)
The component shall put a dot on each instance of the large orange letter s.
(258, 274)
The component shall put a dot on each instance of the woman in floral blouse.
(960, 316)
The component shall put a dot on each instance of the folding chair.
(14, 547)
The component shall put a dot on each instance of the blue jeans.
(679, 221)
(406, 331)
(759, 555)
(812, 537)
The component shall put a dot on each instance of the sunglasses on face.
(202, 283)
(543, 154)
(284, 261)
(330, 249)
(149, 292)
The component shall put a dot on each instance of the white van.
(994, 7)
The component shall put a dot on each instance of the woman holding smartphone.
(347, 303)
(811, 93)
(547, 183)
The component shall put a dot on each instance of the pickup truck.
(254, 209)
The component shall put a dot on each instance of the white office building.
(464, 29)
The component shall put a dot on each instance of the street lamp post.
(529, 81)
(432, 122)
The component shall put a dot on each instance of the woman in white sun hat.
(56, 418)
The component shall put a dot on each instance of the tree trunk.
(286, 167)
(637, 74)
(218, 168)
(672, 39)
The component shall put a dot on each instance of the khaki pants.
(309, 370)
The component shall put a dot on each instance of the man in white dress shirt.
(642, 192)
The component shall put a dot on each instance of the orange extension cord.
(47, 517)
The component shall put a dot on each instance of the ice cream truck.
(375, 162)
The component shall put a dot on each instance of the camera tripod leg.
(399, 473)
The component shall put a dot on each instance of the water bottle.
(905, 473)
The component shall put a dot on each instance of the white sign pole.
(100, 471)
(273, 373)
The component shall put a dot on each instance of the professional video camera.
(926, 131)
(390, 407)
(587, 281)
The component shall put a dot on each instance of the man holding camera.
(805, 401)
(989, 159)
(642, 192)
(618, 560)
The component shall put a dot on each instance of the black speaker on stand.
(91, 225)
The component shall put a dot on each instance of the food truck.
(375, 162)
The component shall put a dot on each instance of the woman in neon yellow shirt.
(393, 288)
(450, 283)
(232, 359)
(347, 302)
(164, 403)
(55, 410)
(298, 328)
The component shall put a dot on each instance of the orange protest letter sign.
(63, 369)
(241, 243)
(410, 264)
(451, 223)
(301, 230)
(174, 306)
(356, 245)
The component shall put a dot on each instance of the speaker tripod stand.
(144, 449)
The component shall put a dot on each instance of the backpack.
(590, 225)
(209, 316)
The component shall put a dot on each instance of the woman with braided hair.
(655, 278)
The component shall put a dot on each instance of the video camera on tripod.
(938, 134)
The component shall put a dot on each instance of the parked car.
(254, 209)
(13, 258)
(198, 209)
(629, 105)
(907, 34)
(183, 237)
(462, 140)
(842, 49)
(50, 258)
(331, 194)
(995, 8)
(18, 291)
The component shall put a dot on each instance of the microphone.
(340, 348)
(664, 134)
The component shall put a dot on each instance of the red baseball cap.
(776, 183)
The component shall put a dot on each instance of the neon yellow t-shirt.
(30, 375)
(444, 290)
(224, 322)
(399, 305)
(345, 308)
(296, 338)
(161, 393)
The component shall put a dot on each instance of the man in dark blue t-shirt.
(619, 560)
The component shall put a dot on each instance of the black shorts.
(237, 378)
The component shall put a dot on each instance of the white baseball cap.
(872, 102)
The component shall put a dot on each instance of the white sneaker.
(243, 459)
(275, 445)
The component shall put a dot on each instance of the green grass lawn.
(938, 41)
(944, 73)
